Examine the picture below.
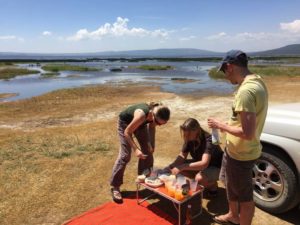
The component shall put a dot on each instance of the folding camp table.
(162, 191)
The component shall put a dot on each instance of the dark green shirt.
(127, 114)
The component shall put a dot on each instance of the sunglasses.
(224, 67)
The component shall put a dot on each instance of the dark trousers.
(124, 157)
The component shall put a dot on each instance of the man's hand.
(213, 123)
(150, 148)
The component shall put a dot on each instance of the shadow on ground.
(217, 205)
(292, 216)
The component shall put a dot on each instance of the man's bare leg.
(246, 212)
(232, 215)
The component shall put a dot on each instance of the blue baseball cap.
(236, 57)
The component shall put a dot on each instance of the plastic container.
(193, 185)
(215, 139)
(180, 180)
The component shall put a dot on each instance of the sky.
(72, 26)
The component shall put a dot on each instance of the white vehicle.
(276, 175)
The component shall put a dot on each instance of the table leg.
(137, 195)
(137, 192)
(179, 214)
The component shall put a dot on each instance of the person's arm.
(196, 166)
(151, 135)
(246, 131)
(179, 161)
(138, 119)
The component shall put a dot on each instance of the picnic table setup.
(185, 193)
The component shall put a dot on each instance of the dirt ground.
(42, 184)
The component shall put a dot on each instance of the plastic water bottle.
(215, 139)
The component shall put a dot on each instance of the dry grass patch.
(53, 171)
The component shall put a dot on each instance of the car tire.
(275, 184)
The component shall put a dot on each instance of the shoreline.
(179, 81)
(281, 90)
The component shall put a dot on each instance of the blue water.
(34, 85)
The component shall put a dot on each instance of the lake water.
(33, 85)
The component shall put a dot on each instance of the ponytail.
(154, 104)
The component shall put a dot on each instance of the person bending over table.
(139, 120)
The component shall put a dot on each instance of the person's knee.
(124, 159)
(203, 180)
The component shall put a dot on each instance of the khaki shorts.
(237, 177)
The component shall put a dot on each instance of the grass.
(11, 72)
(280, 59)
(49, 75)
(263, 70)
(51, 143)
(182, 80)
(275, 70)
(6, 64)
(43, 168)
(155, 67)
(63, 67)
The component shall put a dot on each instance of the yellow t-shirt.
(252, 96)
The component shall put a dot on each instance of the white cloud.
(251, 41)
(293, 27)
(217, 36)
(160, 33)
(247, 36)
(8, 37)
(11, 37)
(47, 33)
(117, 29)
(187, 38)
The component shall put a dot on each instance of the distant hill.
(289, 50)
(175, 52)
(178, 52)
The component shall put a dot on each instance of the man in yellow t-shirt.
(243, 132)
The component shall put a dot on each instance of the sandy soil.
(70, 186)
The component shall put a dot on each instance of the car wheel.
(274, 183)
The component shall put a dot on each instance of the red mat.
(128, 213)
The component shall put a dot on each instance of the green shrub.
(63, 67)
(154, 67)
(11, 72)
